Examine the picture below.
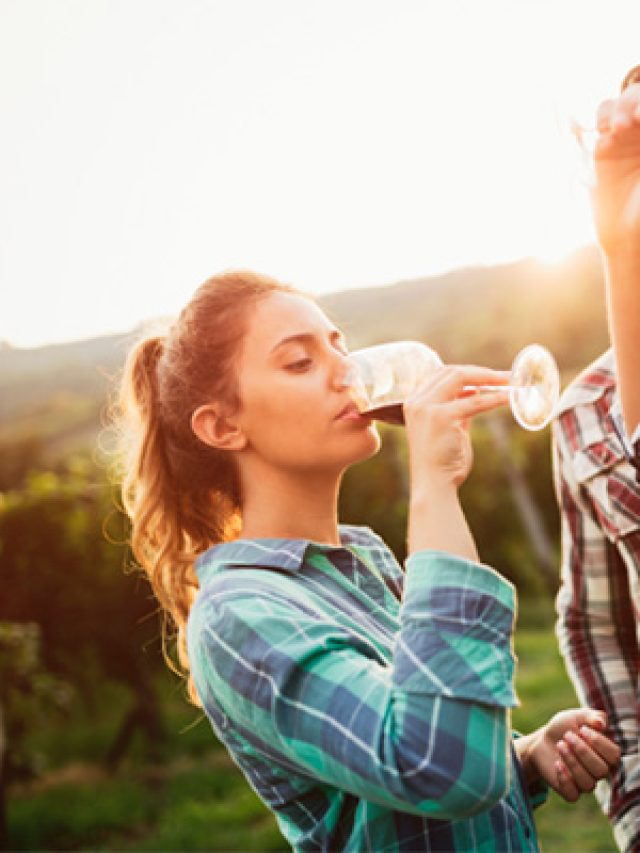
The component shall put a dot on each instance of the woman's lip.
(350, 412)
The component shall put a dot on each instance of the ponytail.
(181, 495)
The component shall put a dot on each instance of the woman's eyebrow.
(335, 336)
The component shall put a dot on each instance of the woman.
(598, 419)
(368, 707)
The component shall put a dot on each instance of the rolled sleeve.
(456, 637)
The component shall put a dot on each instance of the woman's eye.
(300, 365)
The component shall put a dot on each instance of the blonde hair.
(181, 495)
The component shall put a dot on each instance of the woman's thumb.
(595, 719)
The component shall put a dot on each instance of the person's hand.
(616, 192)
(572, 752)
(437, 419)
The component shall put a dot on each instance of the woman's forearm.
(622, 271)
(437, 522)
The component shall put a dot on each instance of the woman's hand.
(437, 420)
(440, 457)
(571, 752)
(616, 192)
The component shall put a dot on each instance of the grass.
(69, 816)
(196, 799)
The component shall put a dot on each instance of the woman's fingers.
(609, 751)
(583, 752)
(469, 407)
(618, 123)
(588, 756)
(591, 725)
(616, 114)
(589, 759)
(566, 786)
(581, 777)
(459, 410)
(460, 378)
(593, 718)
(453, 380)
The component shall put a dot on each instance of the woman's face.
(295, 410)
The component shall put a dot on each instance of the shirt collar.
(286, 554)
(589, 385)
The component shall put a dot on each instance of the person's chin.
(369, 444)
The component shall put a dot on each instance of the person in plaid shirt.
(597, 475)
(366, 704)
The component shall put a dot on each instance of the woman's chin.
(369, 444)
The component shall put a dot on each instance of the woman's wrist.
(437, 522)
(426, 490)
(525, 747)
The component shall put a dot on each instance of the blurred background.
(408, 163)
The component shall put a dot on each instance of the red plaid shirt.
(599, 598)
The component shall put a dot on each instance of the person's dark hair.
(181, 495)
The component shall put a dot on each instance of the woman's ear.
(217, 429)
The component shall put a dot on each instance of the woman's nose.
(344, 374)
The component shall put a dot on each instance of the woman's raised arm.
(616, 208)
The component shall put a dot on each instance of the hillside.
(54, 396)
(486, 314)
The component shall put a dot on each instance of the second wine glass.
(385, 375)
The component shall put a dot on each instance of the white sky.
(146, 144)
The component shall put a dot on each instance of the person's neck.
(291, 505)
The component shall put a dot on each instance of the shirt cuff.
(456, 630)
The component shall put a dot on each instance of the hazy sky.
(147, 144)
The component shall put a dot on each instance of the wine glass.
(577, 112)
(382, 377)
(585, 137)
(574, 106)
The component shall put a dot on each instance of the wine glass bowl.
(385, 375)
(382, 377)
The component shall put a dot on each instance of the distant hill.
(27, 376)
(485, 314)
(56, 394)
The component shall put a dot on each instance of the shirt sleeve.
(597, 635)
(427, 732)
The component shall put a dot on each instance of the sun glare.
(556, 253)
(402, 145)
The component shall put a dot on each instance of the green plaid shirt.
(369, 708)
